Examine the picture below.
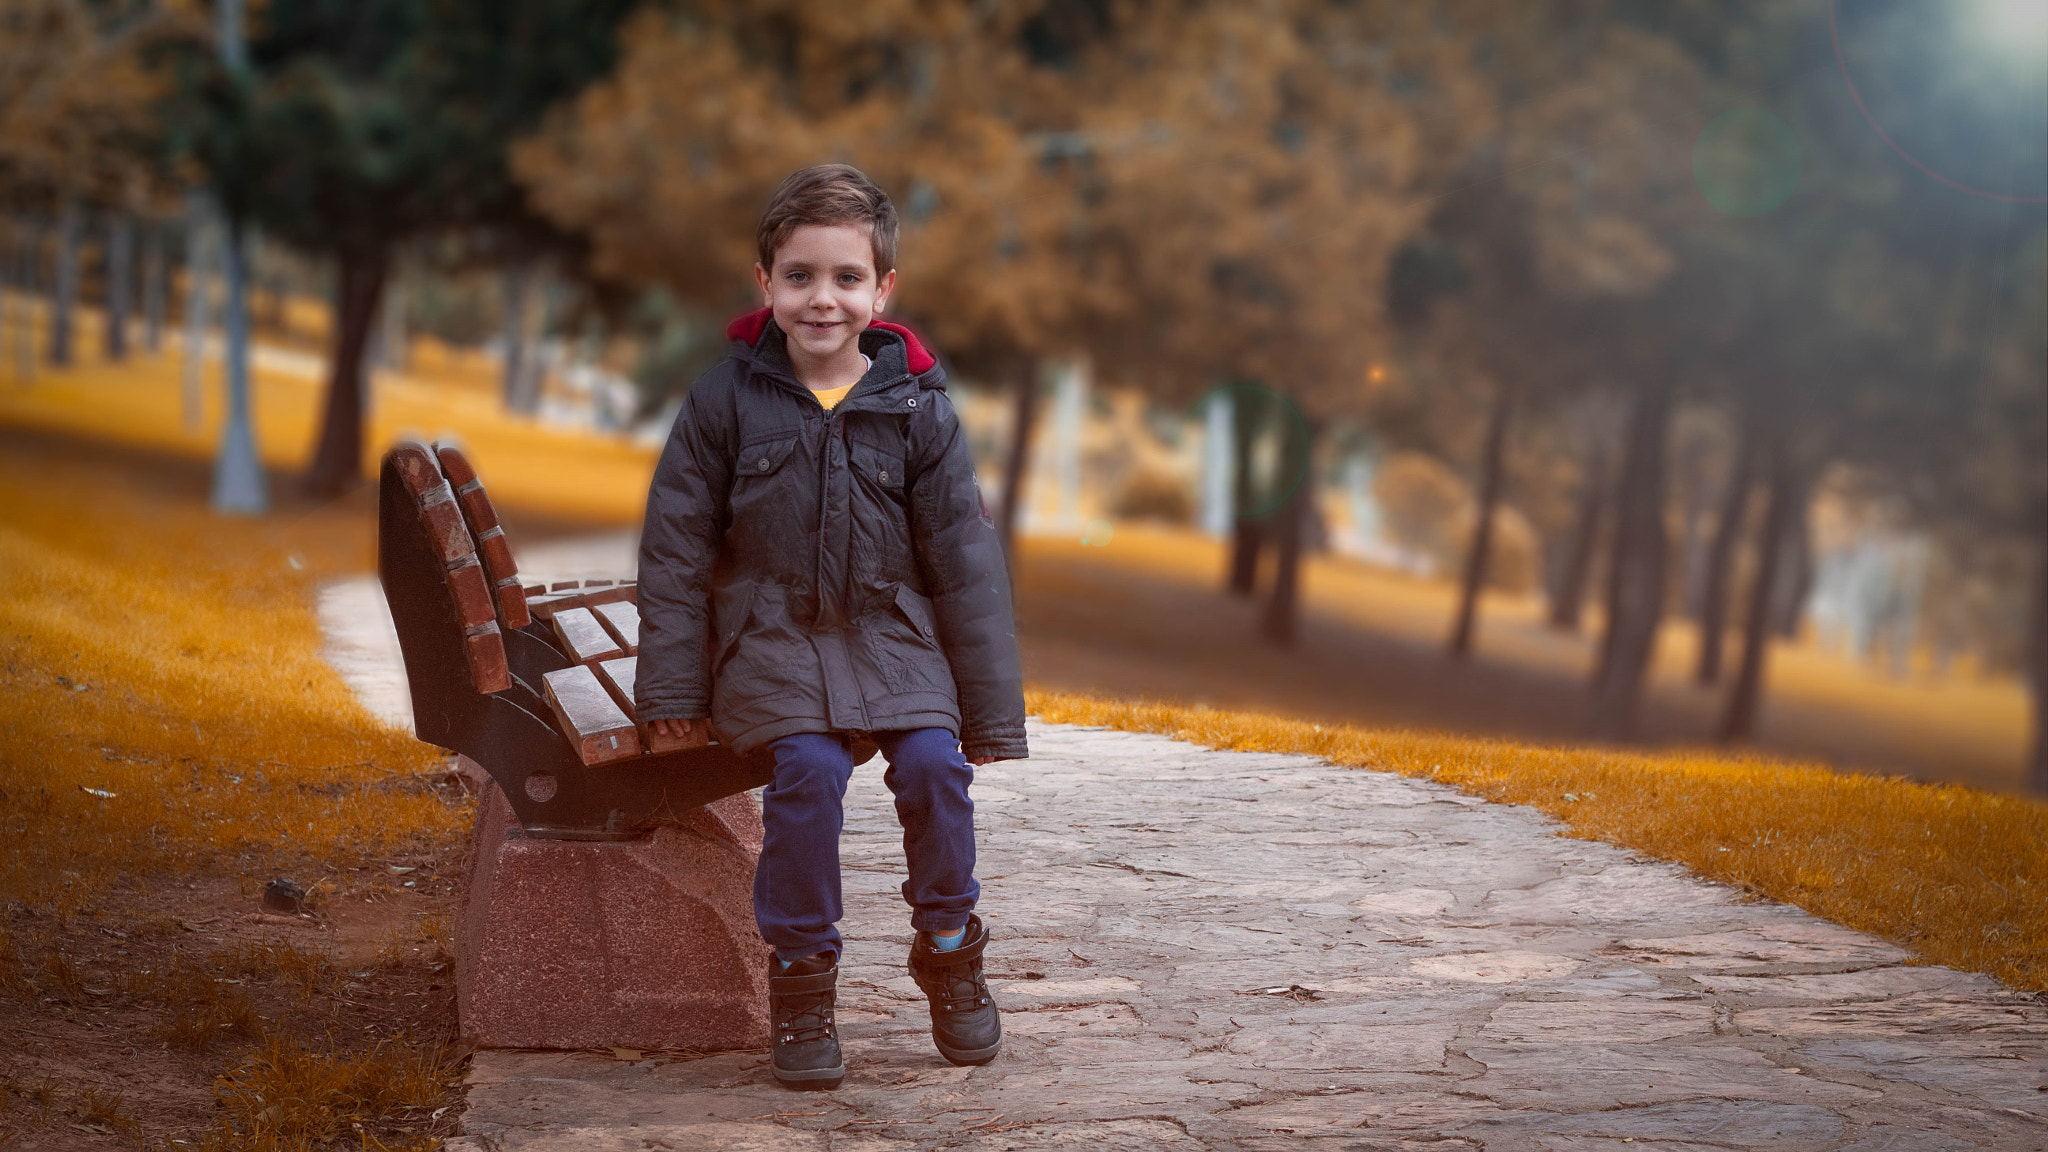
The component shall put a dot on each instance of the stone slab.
(646, 944)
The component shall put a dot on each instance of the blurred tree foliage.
(1528, 239)
(1484, 230)
(363, 123)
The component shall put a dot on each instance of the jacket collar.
(749, 329)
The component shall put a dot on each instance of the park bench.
(534, 683)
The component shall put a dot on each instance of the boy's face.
(823, 289)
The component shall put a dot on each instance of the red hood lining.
(748, 330)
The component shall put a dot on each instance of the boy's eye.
(849, 277)
(799, 277)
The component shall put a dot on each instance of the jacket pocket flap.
(877, 465)
(763, 457)
(729, 618)
(916, 609)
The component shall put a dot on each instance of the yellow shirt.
(830, 396)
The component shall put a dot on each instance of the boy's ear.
(882, 290)
(761, 278)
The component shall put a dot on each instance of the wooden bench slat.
(588, 716)
(487, 533)
(621, 618)
(609, 594)
(463, 574)
(617, 677)
(583, 637)
(544, 607)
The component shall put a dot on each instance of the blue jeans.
(796, 883)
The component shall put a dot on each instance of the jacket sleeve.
(679, 541)
(962, 562)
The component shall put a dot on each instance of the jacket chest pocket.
(878, 466)
(768, 492)
(763, 457)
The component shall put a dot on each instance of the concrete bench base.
(645, 943)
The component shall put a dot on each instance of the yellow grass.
(448, 393)
(171, 660)
(287, 1095)
(1959, 876)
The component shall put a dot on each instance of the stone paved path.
(1221, 950)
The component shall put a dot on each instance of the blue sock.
(948, 943)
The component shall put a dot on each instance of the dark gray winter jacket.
(809, 571)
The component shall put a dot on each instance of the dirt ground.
(117, 1022)
(92, 1059)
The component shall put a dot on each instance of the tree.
(76, 103)
(664, 166)
(360, 125)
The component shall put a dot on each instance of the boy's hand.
(983, 760)
(682, 730)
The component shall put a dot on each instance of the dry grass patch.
(163, 700)
(172, 739)
(286, 1093)
(1958, 875)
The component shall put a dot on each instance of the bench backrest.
(464, 579)
(488, 534)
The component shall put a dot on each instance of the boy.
(818, 574)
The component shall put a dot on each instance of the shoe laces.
(962, 987)
(805, 1016)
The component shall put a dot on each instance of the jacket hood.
(749, 329)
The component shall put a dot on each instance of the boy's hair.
(829, 194)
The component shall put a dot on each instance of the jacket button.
(762, 463)
(912, 401)
(885, 477)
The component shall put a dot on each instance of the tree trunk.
(1788, 602)
(1289, 523)
(1248, 532)
(1490, 475)
(2037, 636)
(65, 301)
(120, 288)
(391, 327)
(1017, 468)
(519, 395)
(1635, 584)
(201, 231)
(1738, 720)
(25, 306)
(238, 484)
(1570, 596)
(154, 287)
(1713, 608)
(338, 459)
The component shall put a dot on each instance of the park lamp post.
(238, 485)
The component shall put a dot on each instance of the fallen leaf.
(626, 1054)
(102, 793)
